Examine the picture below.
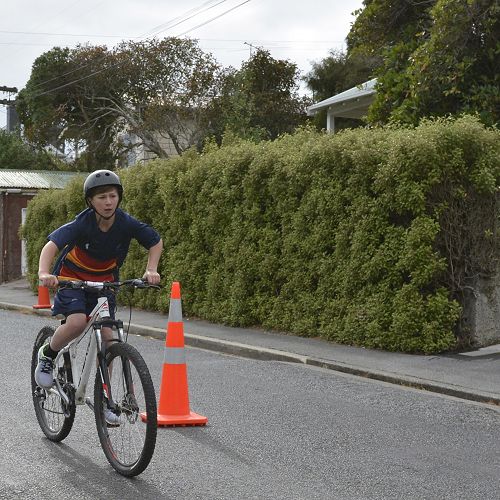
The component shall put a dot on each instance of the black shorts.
(69, 301)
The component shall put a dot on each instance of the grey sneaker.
(112, 419)
(44, 375)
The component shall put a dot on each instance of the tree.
(455, 68)
(167, 88)
(17, 154)
(40, 111)
(261, 100)
(392, 29)
(92, 131)
(439, 57)
(57, 105)
(155, 92)
(382, 24)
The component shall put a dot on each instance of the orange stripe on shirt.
(86, 263)
(72, 274)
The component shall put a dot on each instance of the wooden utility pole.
(251, 47)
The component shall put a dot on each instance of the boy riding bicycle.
(94, 246)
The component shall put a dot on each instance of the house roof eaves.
(365, 89)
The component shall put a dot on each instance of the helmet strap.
(100, 215)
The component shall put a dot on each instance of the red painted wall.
(10, 243)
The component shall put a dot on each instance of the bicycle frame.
(98, 318)
(123, 397)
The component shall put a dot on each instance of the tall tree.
(393, 29)
(455, 68)
(90, 129)
(261, 100)
(156, 93)
(167, 87)
(439, 57)
(57, 105)
(382, 24)
(42, 112)
(338, 72)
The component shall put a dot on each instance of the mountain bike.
(122, 384)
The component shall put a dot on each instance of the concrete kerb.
(224, 346)
(25, 309)
(408, 381)
(267, 354)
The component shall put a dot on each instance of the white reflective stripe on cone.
(175, 311)
(174, 356)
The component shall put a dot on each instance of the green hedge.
(367, 237)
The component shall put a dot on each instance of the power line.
(53, 16)
(27, 44)
(195, 12)
(7, 90)
(153, 32)
(215, 18)
(58, 34)
(238, 40)
(119, 63)
(74, 70)
(267, 41)
(179, 20)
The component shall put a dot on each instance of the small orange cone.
(43, 298)
(173, 407)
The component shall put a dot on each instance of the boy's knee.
(76, 322)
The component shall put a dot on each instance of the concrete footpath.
(474, 375)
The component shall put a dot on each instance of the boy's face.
(106, 201)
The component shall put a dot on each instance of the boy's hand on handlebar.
(48, 280)
(152, 277)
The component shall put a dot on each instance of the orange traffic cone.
(173, 407)
(43, 298)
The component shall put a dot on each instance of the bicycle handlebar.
(106, 285)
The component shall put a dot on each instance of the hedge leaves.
(367, 237)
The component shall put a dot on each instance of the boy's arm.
(47, 255)
(151, 275)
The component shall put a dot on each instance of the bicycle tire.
(54, 417)
(128, 447)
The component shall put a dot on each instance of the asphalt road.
(275, 431)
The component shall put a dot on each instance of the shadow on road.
(83, 474)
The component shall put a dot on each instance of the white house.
(352, 103)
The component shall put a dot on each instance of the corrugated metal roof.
(34, 179)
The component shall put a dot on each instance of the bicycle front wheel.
(54, 416)
(128, 443)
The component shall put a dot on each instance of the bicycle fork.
(105, 370)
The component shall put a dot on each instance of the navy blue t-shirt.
(95, 255)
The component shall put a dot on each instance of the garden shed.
(17, 188)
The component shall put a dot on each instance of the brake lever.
(70, 285)
(138, 283)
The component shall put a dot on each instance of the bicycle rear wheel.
(54, 416)
(130, 445)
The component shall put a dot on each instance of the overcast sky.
(302, 31)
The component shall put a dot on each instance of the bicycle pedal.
(89, 403)
(39, 393)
